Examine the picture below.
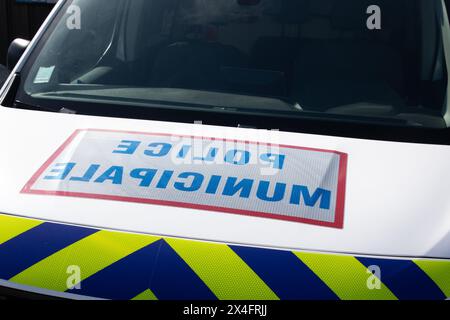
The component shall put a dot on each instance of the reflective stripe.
(156, 267)
(118, 265)
(438, 271)
(91, 255)
(173, 279)
(146, 295)
(405, 279)
(36, 244)
(222, 270)
(11, 227)
(286, 275)
(345, 275)
(125, 278)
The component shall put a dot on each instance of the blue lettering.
(128, 147)
(244, 187)
(210, 156)
(311, 200)
(263, 190)
(244, 157)
(197, 180)
(277, 160)
(184, 151)
(62, 170)
(213, 184)
(88, 175)
(159, 149)
(164, 180)
(114, 174)
(145, 175)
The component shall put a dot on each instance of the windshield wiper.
(21, 105)
(177, 105)
(9, 99)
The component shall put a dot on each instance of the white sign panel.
(270, 181)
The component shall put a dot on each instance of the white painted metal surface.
(396, 197)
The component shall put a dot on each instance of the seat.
(358, 66)
(277, 53)
(195, 65)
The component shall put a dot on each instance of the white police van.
(228, 149)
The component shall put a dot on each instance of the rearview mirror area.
(4, 73)
(15, 51)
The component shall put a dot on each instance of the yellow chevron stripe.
(438, 271)
(345, 275)
(146, 295)
(11, 227)
(90, 255)
(222, 270)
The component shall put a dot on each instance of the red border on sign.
(340, 199)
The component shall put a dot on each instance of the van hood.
(394, 201)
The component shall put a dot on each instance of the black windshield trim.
(308, 125)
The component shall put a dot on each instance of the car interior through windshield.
(377, 58)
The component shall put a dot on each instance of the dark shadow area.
(19, 20)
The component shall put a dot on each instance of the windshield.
(377, 60)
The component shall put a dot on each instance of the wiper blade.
(177, 105)
(21, 105)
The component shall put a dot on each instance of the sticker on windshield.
(44, 75)
(281, 182)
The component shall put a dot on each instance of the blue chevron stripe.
(124, 279)
(173, 279)
(405, 279)
(36, 244)
(156, 267)
(285, 274)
